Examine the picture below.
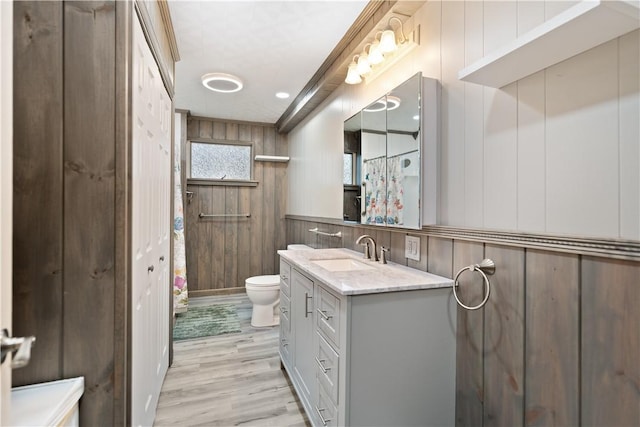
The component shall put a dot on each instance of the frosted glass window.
(220, 161)
(348, 169)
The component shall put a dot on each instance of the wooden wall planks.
(223, 252)
(552, 339)
(557, 342)
(89, 194)
(609, 342)
(469, 372)
(38, 186)
(504, 338)
(72, 128)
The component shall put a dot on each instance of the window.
(220, 160)
(348, 173)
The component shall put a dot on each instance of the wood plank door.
(151, 178)
(6, 192)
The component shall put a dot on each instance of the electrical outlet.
(412, 247)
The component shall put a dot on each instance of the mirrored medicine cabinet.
(383, 150)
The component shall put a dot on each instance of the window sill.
(227, 182)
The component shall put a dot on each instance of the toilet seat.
(266, 282)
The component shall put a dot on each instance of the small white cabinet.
(374, 359)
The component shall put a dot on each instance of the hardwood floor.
(229, 380)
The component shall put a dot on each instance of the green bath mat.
(206, 321)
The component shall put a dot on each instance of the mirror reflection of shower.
(383, 156)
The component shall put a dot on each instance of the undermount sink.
(341, 264)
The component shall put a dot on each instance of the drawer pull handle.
(283, 310)
(284, 342)
(324, 314)
(322, 419)
(306, 304)
(284, 277)
(324, 368)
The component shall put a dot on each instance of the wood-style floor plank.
(229, 380)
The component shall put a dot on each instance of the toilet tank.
(298, 247)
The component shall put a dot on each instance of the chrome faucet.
(367, 253)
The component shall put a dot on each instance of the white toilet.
(264, 293)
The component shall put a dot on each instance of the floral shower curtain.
(375, 189)
(395, 191)
(180, 292)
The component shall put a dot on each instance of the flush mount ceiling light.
(221, 82)
(389, 103)
(282, 95)
(379, 105)
(393, 102)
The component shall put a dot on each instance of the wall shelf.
(263, 158)
(578, 29)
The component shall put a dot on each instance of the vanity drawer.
(327, 361)
(326, 411)
(285, 278)
(285, 346)
(285, 312)
(328, 315)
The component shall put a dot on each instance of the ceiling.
(273, 46)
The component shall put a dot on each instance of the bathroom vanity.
(367, 344)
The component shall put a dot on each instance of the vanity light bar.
(263, 158)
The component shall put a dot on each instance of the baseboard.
(216, 292)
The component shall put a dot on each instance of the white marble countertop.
(380, 278)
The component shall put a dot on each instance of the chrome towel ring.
(485, 267)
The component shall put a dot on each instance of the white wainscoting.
(556, 152)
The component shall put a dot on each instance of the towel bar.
(324, 233)
(202, 215)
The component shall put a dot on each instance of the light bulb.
(353, 78)
(363, 64)
(388, 41)
(375, 55)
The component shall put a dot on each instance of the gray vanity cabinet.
(376, 359)
(302, 334)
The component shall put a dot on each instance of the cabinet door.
(302, 329)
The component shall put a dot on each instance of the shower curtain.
(375, 201)
(180, 293)
(395, 191)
